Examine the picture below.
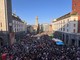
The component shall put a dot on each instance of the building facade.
(5, 21)
(30, 29)
(50, 28)
(36, 26)
(67, 24)
(76, 9)
(18, 24)
(45, 27)
(67, 27)
(19, 27)
(11, 26)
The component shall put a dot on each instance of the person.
(78, 55)
(11, 56)
(43, 48)
(0, 53)
(4, 56)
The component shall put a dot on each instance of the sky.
(46, 10)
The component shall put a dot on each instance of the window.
(64, 21)
(74, 25)
(74, 10)
(0, 24)
(74, 4)
(67, 25)
(15, 25)
(68, 20)
(1, 29)
(63, 29)
(67, 30)
(61, 22)
(74, 20)
(74, 30)
(15, 29)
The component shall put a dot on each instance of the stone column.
(77, 40)
(65, 38)
(69, 41)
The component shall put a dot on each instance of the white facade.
(19, 25)
(45, 27)
(67, 25)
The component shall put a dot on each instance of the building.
(67, 27)
(50, 28)
(25, 26)
(19, 27)
(76, 9)
(45, 27)
(36, 22)
(5, 22)
(40, 28)
(18, 24)
(36, 26)
(11, 26)
(30, 29)
(66, 22)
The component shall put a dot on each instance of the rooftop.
(65, 16)
(17, 18)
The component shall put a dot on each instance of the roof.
(15, 17)
(64, 16)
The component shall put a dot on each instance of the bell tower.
(36, 23)
(76, 6)
(76, 9)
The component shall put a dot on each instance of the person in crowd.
(41, 48)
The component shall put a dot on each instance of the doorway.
(73, 41)
(67, 39)
(63, 37)
(79, 43)
(1, 42)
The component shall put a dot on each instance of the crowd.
(39, 48)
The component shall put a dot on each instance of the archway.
(67, 38)
(73, 41)
(63, 37)
(1, 41)
(79, 43)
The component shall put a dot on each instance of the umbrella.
(4, 56)
(59, 43)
